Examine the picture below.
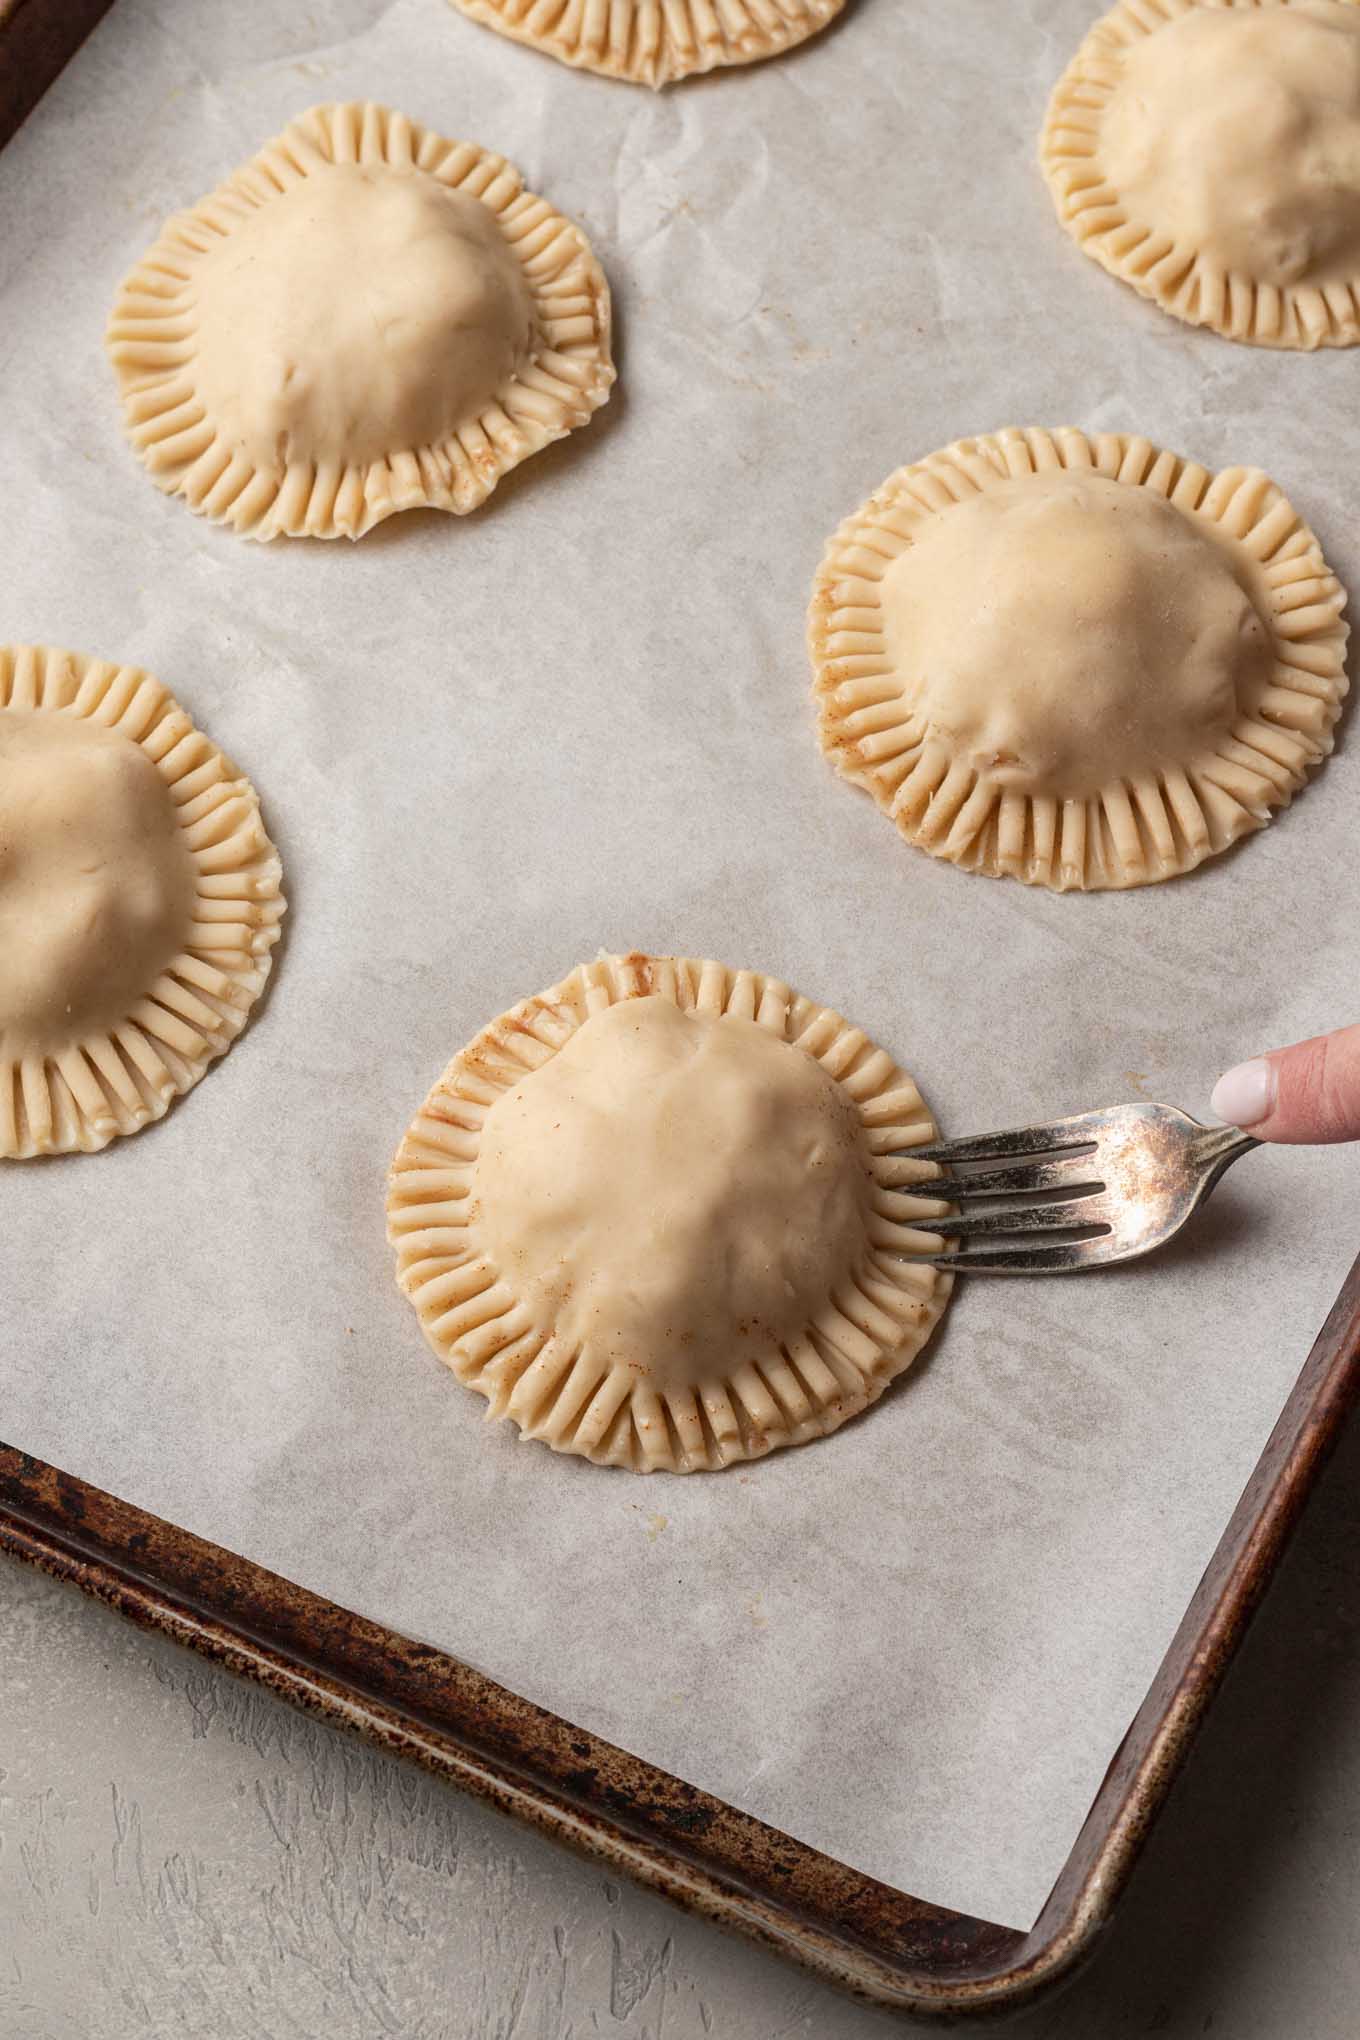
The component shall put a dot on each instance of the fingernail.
(1245, 1094)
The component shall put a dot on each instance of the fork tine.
(1055, 1138)
(1059, 1258)
(1158, 1163)
(1020, 1218)
(1065, 1175)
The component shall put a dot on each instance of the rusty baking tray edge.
(38, 37)
(881, 1944)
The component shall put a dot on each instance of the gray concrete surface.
(182, 1856)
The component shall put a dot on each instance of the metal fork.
(1092, 1190)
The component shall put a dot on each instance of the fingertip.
(1245, 1095)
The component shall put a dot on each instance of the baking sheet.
(488, 747)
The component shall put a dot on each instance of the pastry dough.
(139, 901)
(654, 1216)
(1208, 152)
(366, 318)
(654, 42)
(1082, 662)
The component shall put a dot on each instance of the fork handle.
(1216, 1148)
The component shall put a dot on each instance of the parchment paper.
(487, 747)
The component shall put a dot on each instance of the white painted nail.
(1246, 1094)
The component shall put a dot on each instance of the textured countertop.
(182, 1855)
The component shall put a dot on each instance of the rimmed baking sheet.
(487, 748)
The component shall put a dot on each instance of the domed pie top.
(367, 318)
(654, 42)
(295, 365)
(1208, 152)
(652, 1215)
(139, 901)
(671, 1188)
(96, 881)
(1078, 661)
(1105, 636)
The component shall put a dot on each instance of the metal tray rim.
(881, 1945)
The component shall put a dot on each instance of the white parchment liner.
(486, 747)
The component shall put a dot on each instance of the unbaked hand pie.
(1208, 152)
(1079, 662)
(654, 42)
(366, 318)
(654, 1216)
(139, 901)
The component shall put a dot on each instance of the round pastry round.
(655, 1214)
(1210, 156)
(656, 42)
(1083, 663)
(366, 318)
(139, 901)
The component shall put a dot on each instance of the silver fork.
(1092, 1190)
